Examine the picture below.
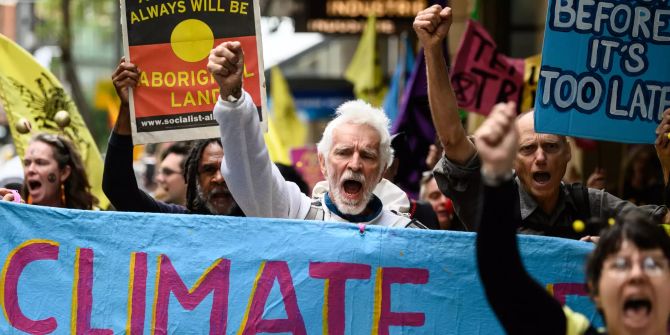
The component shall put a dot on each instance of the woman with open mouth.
(627, 274)
(54, 174)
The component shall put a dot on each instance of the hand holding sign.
(226, 63)
(497, 140)
(432, 25)
(124, 77)
(662, 144)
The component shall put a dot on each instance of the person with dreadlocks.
(206, 190)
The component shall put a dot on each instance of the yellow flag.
(28, 90)
(106, 98)
(285, 129)
(530, 77)
(276, 149)
(364, 71)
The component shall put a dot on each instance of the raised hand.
(663, 144)
(432, 25)
(125, 76)
(226, 64)
(497, 140)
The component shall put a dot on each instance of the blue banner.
(605, 73)
(79, 272)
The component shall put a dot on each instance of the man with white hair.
(353, 154)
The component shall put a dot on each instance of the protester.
(643, 180)
(441, 205)
(54, 175)
(628, 276)
(171, 185)
(206, 190)
(547, 206)
(353, 154)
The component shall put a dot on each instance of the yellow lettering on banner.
(169, 79)
(179, 78)
(204, 77)
(194, 98)
(207, 6)
(189, 100)
(183, 78)
(157, 10)
(247, 74)
(239, 7)
(134, 18)
(143, 79)
(156, 79)
(164, 10)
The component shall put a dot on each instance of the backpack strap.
(316, 211)
(414, 223)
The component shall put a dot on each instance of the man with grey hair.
(353, 154)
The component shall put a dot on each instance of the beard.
(208, 199)
(344, 204)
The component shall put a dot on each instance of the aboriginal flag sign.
(170, 41)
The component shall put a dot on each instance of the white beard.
(349, 206)
(208, 202)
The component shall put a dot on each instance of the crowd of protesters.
(502, 180)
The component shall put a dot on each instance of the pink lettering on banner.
(561, 290)
(82, 295)
(336, 275)
(216, 278)
(383, 317)
(18, 259)
(482, 76)
(137, 293)
(253, 322)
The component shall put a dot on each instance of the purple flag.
(415, 121)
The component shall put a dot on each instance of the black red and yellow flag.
(170, 41)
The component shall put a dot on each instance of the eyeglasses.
(650, 265)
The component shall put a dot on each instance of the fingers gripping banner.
(170, 42)
(81, 272)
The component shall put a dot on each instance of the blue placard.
(71, 271)
(605, 71)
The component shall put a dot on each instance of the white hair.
(360, 112)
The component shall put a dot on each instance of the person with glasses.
(627, 274)
(54, 174)
(170, 177)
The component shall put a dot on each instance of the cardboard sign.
(75, 272)
(170, 43)
(605, 73)
(482, 76)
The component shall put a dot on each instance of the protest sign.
(605, 73)
(170, 43)
(79, 272)
(482, 76)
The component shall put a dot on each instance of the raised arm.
(521, 305)
(118, 178)
(432, 26)
(255, 183)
